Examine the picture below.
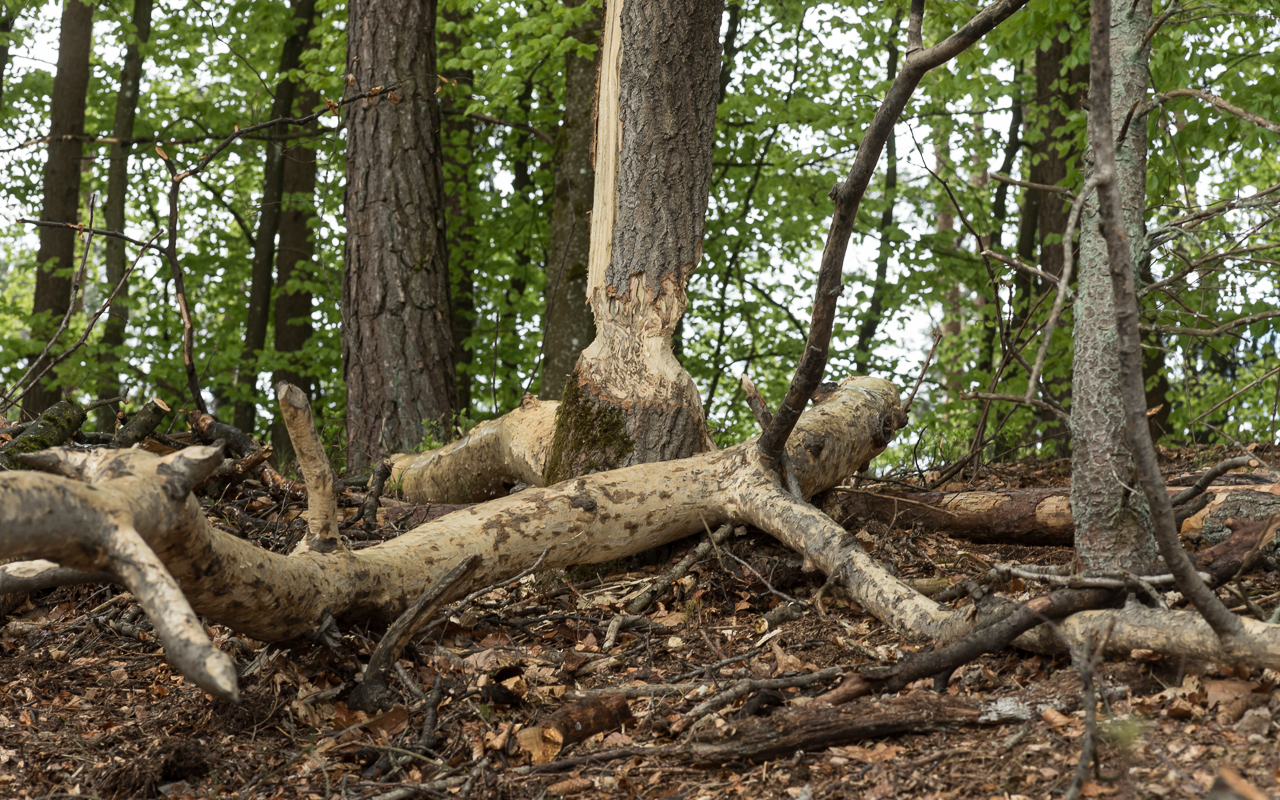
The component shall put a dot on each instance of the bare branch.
(520, 126)
(848, 196)
(1218, 331)
(1044, 187)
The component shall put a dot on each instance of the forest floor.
(89, 707)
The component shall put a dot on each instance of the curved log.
(485, 463)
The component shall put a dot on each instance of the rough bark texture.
(262, 279)
(113, 325)
(61, 185)
(397, 346)
(294, 251)
(569, 326)
(659, 79)
(1113, 522)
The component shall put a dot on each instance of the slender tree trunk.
(262, 279)
(1055, 97)
(295, 250)
(397, 345)
(875, 308)
(460, 140)
(1113, 522)
(61, 186)
(628, 400)
(7, 18)
(113, 326)
(568, 325)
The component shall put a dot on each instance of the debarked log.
(595, 518)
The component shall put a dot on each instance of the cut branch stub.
(322, 504)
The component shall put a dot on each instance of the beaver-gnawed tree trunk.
(628, 401)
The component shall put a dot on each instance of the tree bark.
(1029, 517)
(459, 140)
(1113, 522)
(295, 250)
(262, 279)
(117, 318)
(61, 187)
(1056, 94)
(397, 345)
(628, 401)
(568, 325)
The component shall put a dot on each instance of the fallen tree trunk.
(1026, 516)
(131, 514)
(300, 597)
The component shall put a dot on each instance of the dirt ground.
(89, 707)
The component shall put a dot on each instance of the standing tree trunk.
(460, 141)
(262, 280)
(117, 318)
(7, 18)
(567, 324)
(295, 251)
(1056, 94)
(61, 187)
(628, 400)
(1113, 522)
(397, 348)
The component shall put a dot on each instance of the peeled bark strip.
(628, 400)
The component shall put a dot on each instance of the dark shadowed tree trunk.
(7, 17)
(113, 325)
(397, 345)
(61, 186)
(295, 250)
(1113, 522)
(460, 138)
(568, 326)
(262, 278)
(628, 400)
